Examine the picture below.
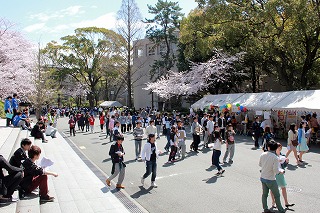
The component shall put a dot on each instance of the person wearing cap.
(149, 154)
(118, 167)
(138, 135)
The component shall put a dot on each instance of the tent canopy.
(307, 100)
(215, 100)
(110, 104)
(260, 101)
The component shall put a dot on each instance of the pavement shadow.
(105, 189)
(211, 168)
(168, 164)
(211, 180)
(292, 167)
(106, 160)
(143, 191)
(130, 161)
(107, 143)
(205, 150)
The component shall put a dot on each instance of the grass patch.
(2, 114)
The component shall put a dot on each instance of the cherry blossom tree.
(16, 63)
(221, 70)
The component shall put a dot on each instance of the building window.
(151, 49)
(162, 49)
(138, 52)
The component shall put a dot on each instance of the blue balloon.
(241, 107)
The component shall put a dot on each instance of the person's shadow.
(143, 191)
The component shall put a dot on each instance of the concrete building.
(145, 54)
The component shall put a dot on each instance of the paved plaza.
(190, 185)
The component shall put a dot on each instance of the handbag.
(9, 115)
(294, 142)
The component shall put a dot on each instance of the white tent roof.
(216, 100)
(110, 104)
(307, 100)
(259, 101)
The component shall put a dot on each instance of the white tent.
(216, 100)
(259, 101)
(307, 100)
(110, 104)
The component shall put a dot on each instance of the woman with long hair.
(174, 139)
(281, 179)
(292, 135)
(302, 141)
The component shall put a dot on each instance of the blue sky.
(46, 20)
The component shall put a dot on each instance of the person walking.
(158, 124)
(280, 178)
(292, 138)
(150, 154)
(111, 127)
(118, 167)
(138, 135)
(269, 164)
(123, 120)
(182, 139)
(230, 144)
(86, 121)
(151, 129)
(72, 125)
(101, 120)
(174, 137)
(256, 132)
(129, 122)
(91, 123)
(302, 141)
(217, 152)
(267, 137)
(196, 129)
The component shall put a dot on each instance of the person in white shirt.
(269, 164)
(151, 129)
(210, 128)
(150, 154)
(217, 152)
(51, 131)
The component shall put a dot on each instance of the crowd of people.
(214, 129)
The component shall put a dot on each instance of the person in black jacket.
(37, 132)
(10, 182)
(222, 123)
(20, 154)
(118, 167)
(35, 176)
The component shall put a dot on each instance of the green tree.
(281, 37)
(162, 30)
(83, 55)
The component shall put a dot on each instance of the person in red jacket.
(101, 118)
(91, 123)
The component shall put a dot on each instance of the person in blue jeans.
(149, 154)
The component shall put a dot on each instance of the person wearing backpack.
(230, 144)
(204, 122)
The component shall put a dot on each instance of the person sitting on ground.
(51, 131)
(10, 182)
(20, 154)
(35, 176)
(37, 133)
(19, 121)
